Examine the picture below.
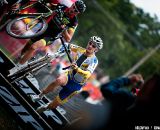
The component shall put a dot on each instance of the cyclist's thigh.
(69, 90)
(51, 32)
(49, 40)
(62, 79)
(37, 42)
(42, 40)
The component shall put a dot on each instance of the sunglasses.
(92, 44)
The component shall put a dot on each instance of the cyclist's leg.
(55, 103)
(29, 50)
(68, 91)
(26, 47)
(60, 81)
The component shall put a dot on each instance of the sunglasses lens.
(93, 45)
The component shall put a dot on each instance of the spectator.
(121, 93)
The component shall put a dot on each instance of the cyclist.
(84, 63)
(65, 22)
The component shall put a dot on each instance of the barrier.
(15, 97)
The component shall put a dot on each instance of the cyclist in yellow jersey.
(81, 69)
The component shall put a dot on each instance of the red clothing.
(53, 1)
(94, 92)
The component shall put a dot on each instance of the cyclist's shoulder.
(77, 48)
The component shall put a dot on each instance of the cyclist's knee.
(61, 80)
(33, 47)
(43, 42)
(38, 44)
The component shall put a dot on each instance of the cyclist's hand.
(16, 6)
(74, 66)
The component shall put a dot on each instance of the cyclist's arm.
(76, 48)
(85, 73)
(68, 34)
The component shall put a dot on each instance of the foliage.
(128, 34)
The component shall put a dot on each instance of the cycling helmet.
(97, 41)
(80, 5)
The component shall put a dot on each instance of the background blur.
(131, 45)
(130, 37)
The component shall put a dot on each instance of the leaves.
(128, 34)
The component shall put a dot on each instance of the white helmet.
(97, 41)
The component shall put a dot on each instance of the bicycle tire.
(31, 33)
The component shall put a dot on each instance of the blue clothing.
(70, 88)
(114, 85)
(117, 93)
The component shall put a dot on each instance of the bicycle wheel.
(26, 27)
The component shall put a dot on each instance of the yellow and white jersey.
(86, 67)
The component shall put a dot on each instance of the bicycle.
(34, 24)
(38, 64)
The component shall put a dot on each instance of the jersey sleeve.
(76, 48)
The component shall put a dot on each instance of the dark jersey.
(61, 21)
(57, 24)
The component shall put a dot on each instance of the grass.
(7, 122)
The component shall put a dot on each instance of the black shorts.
(49, 35)
(48, 40)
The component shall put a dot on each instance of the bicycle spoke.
(26, 27)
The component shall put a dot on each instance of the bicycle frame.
(36, 65)
(18, 12)
(40, 63)
(32, 5)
